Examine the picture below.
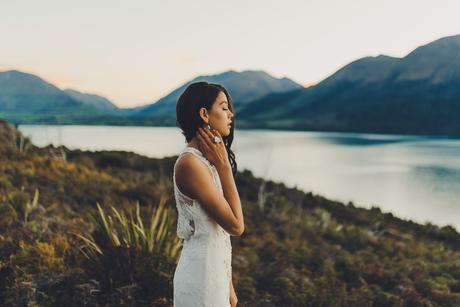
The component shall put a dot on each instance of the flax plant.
(128, 231)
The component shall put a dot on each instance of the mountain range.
(244, 87)
(419, 94)
(26, 98)
(415, 94)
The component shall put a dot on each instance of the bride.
(207, 200)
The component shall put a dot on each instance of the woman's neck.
(194, 143)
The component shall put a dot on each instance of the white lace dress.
(203, 273)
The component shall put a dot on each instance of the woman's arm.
(231, 193)
(217, 154)
(233, 298)
(194, 178)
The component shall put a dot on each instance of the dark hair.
(198, 95)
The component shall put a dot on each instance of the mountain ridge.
(416, 94)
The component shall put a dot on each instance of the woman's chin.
(225, 131)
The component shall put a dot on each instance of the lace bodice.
(203, 273)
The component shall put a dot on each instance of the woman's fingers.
(211, 133)
(207, 134)
(204, 140)
(216, 132)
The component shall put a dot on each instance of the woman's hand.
(216, 153)
(233, 298)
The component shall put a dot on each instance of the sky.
(135, 52)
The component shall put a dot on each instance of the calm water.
(414, 177)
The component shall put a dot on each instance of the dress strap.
(192, 149)
(197, 153)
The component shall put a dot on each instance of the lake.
(413, 177)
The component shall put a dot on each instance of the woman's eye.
(225, 109)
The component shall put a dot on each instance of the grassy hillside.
(98, 229)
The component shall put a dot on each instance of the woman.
(207, 200)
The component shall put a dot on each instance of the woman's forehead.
(221, 98)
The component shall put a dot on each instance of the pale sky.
(135, 52)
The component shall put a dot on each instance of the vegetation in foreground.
(84, 228)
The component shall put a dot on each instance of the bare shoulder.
(191, 165)
(194, 179)
(190, 172)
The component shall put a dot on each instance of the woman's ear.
(204, 115)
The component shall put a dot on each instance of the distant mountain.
(244, 87)
(418, 94)
(26, 98)
(22, 92)
(97, 101)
